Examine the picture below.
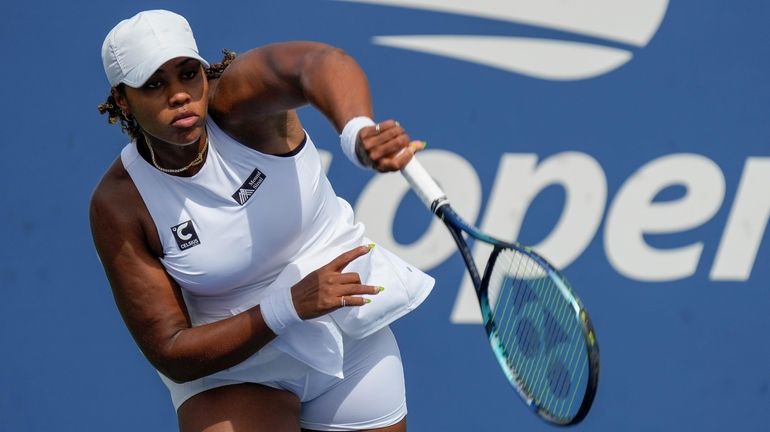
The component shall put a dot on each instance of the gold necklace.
(198, 159)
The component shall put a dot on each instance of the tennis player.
(240, 274)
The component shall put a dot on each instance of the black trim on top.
(296, 150)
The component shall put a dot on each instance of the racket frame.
(436, 201)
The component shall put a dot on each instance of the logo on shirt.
(185, 235)
(250, 186)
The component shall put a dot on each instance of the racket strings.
(539, 333)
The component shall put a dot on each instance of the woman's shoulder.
(118, 212)
(115, 196)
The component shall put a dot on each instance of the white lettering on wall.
(746, 224)
(634, 214)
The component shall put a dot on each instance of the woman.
(234, 265)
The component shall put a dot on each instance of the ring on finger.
(342, 301)
(377, 128)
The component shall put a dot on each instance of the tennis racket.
(537, 327)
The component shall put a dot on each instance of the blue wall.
(647, 123)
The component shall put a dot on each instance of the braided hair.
(128, 123)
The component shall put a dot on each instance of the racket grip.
(423, 184)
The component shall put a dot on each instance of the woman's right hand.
(386, 146)
(328, 289)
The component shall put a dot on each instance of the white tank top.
(246, 218)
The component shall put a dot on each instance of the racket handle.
(423, 184)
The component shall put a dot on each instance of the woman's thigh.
(371, 397)
(238, 408)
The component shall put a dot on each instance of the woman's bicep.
(149, 301)
(265, 81)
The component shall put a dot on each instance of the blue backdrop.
(628, 140)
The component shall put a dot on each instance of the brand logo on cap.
(185, 235)
(250, 186)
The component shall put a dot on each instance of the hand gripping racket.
(539, 330)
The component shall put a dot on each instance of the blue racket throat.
(447, 214)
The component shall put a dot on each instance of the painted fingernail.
(367, 301)
(380, 289)
(370, 246)
(419, 145)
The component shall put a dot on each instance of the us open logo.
(185, 235)
(589, 37)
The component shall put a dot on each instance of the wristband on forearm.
(278, 311)
(349, 138)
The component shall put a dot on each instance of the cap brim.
(140, 74)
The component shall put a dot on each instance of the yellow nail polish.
(380, 289)
(370, 246)
(367, 301)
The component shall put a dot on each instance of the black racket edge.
(456, 225)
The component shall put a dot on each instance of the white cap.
(135, 48)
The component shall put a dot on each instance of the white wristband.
(278, 310)
(349, 137)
